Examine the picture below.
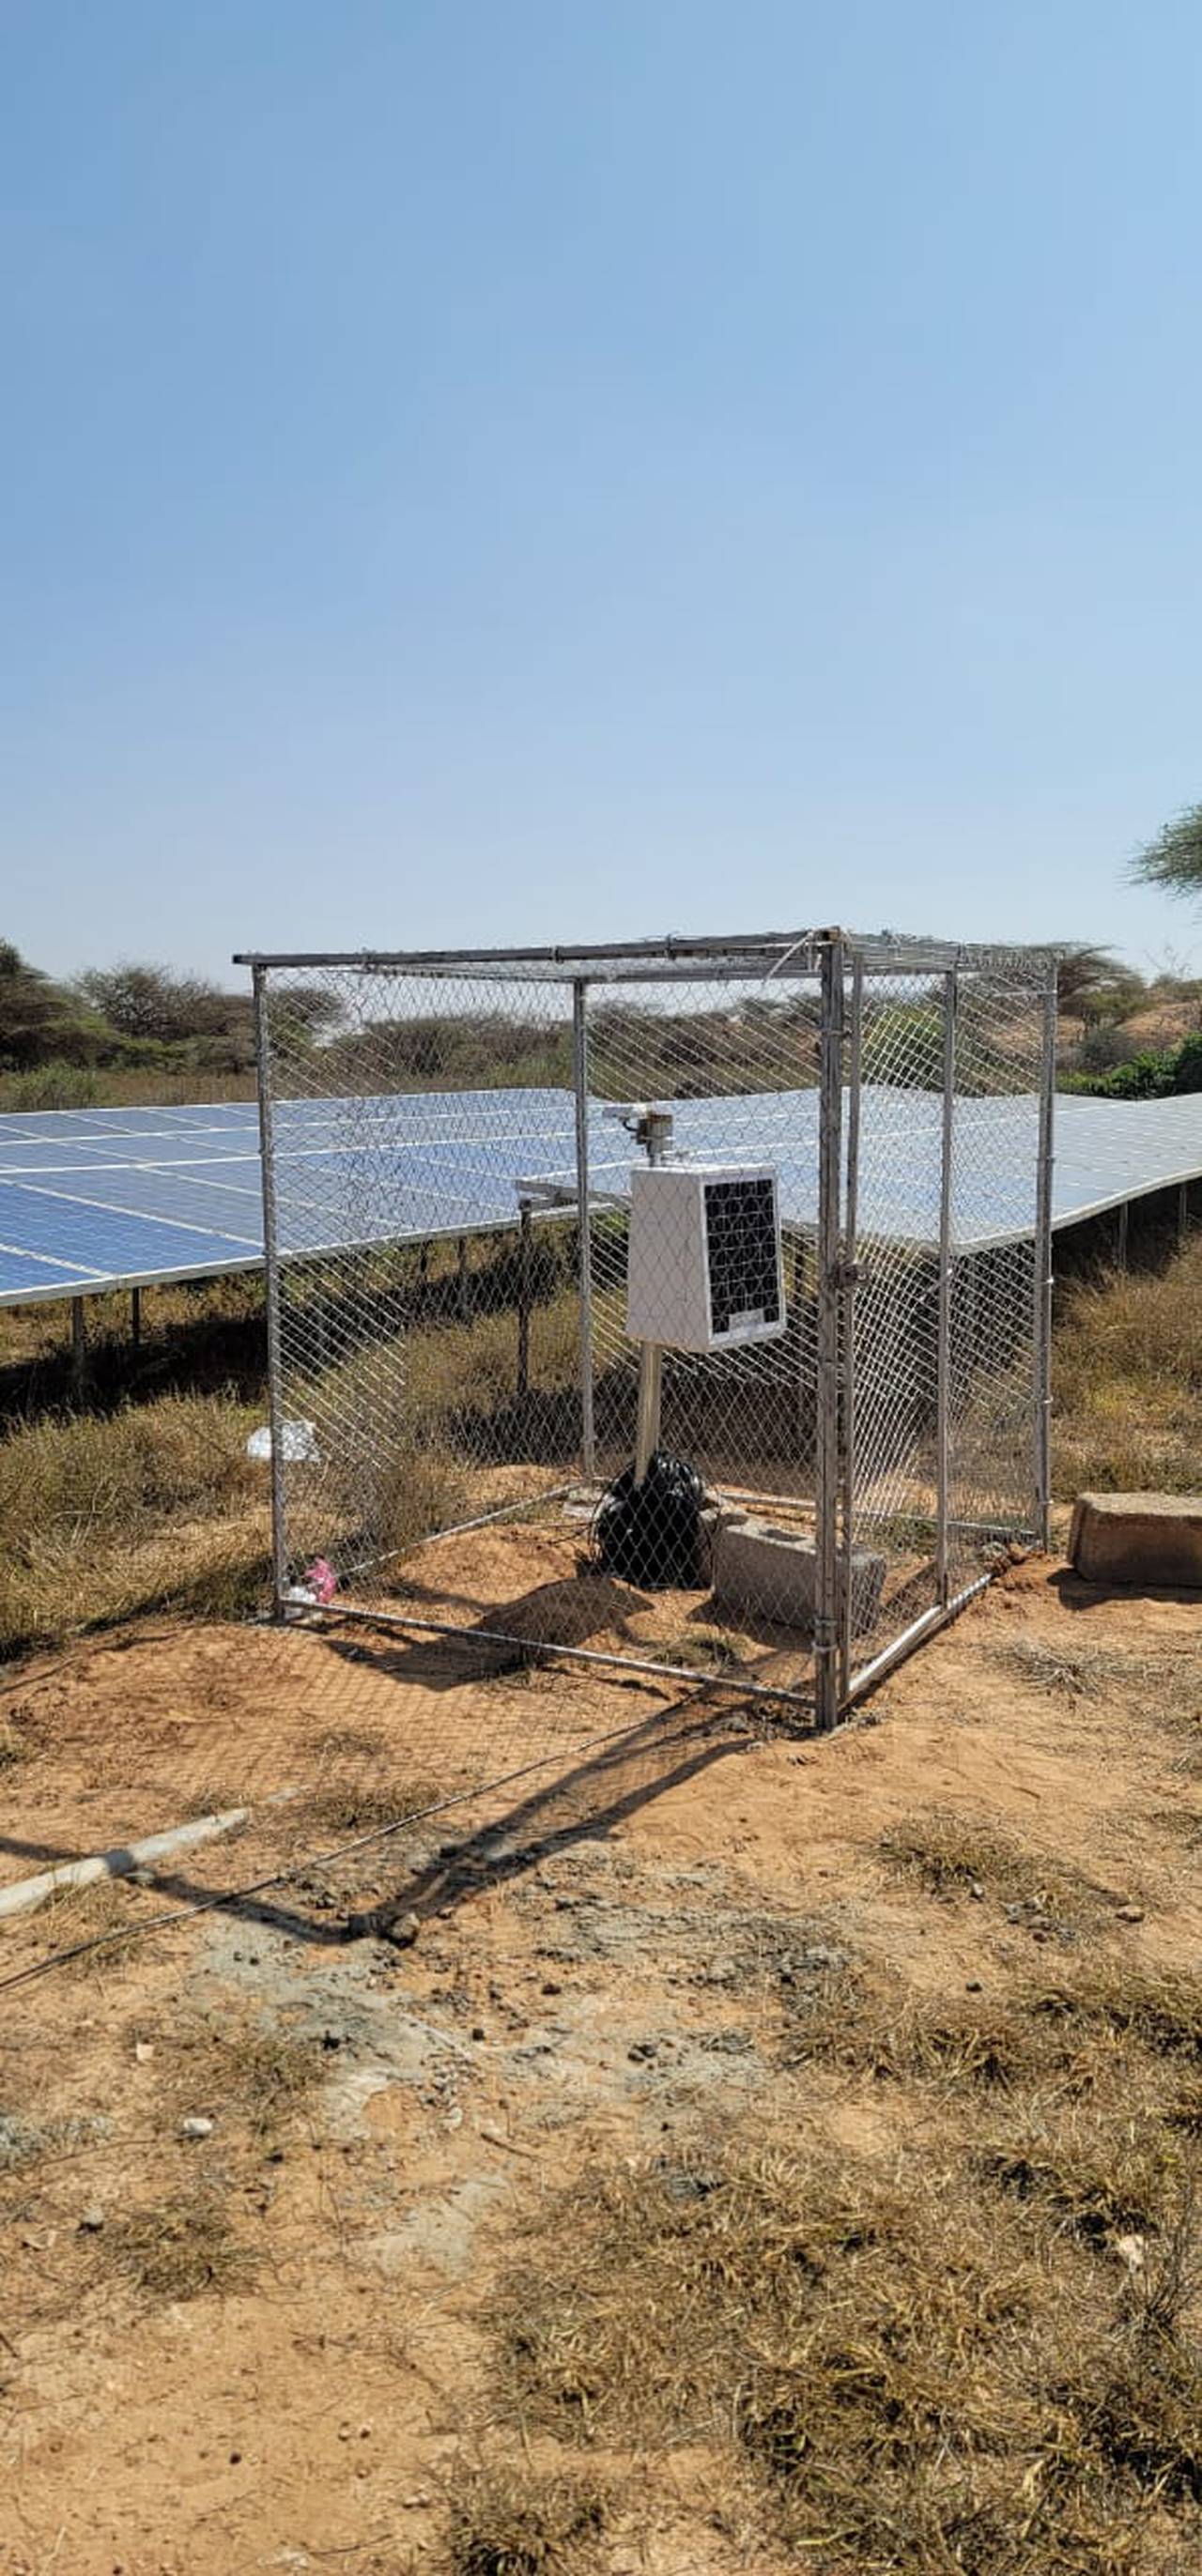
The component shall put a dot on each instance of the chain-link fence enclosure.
(678, 1307)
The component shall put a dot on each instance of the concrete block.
(764, 1571)
(1145, 1540)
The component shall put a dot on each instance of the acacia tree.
(1174, 858)
(144, 1001)
(1093, 985)
(38, 1020)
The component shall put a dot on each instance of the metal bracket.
(650, 1127)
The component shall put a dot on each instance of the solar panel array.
(95, 1199)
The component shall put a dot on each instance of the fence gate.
(943, 1435)
(826, 1454)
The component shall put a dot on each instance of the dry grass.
(176, 2248)
(1160, 2009)
(1108, 2166)
(104, 1517)
(26, 2141)
(907, 2370)
(260, 2076)
(1128, 1377)
(868, 2022)
(707, 1648)
(515, 2522)
(1079, 1672)
(1184, 2109)
(109, 1513)
(949, 1854)
(1069, 2029)
(364, 1806)
(1181, 1825)
(73, 1917)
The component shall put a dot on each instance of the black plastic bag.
(653, 1534)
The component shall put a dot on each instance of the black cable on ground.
(316, 1860)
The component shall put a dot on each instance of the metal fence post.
(271, 1269)
(1043, 1267)
(580, 1085)
(855, 1050)
(943, 1346)
(829, 1252)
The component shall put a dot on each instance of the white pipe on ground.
(118, 1863)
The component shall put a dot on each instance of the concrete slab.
(769, 1572)
(1145, 1540)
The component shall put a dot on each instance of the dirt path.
(268, 2344)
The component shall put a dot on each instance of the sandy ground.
(604, 1957)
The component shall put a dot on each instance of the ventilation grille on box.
(741, 1245)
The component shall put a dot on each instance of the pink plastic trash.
(321, 1579)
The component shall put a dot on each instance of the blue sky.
(571, 467)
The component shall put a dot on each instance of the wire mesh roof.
(94, 1199)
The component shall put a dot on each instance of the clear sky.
(477, 470)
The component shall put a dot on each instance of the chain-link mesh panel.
(992, 1354)
(723, 1256)
(428, 1361)
(743, 1412)
(940, 1364)
(554, 1277)
(457, 1386)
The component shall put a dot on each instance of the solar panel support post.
(655, 1132)
(524, 1284)
(135, 1318)
(79, 1350)
(829, 1287)
(588, 1456)
(943, 1329)
(271, 1273)
(1045, 1167)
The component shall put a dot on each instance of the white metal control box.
(704, 1268)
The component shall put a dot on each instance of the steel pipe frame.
(855, 1041)
(271, 1268)
(584, 1222)
(835, 1477)
(738, 1683)
(943, 1328)
(829, 1293)
(1044, 1269)
(761, 953)
(908, 1639)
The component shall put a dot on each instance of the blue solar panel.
(100, 1198)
